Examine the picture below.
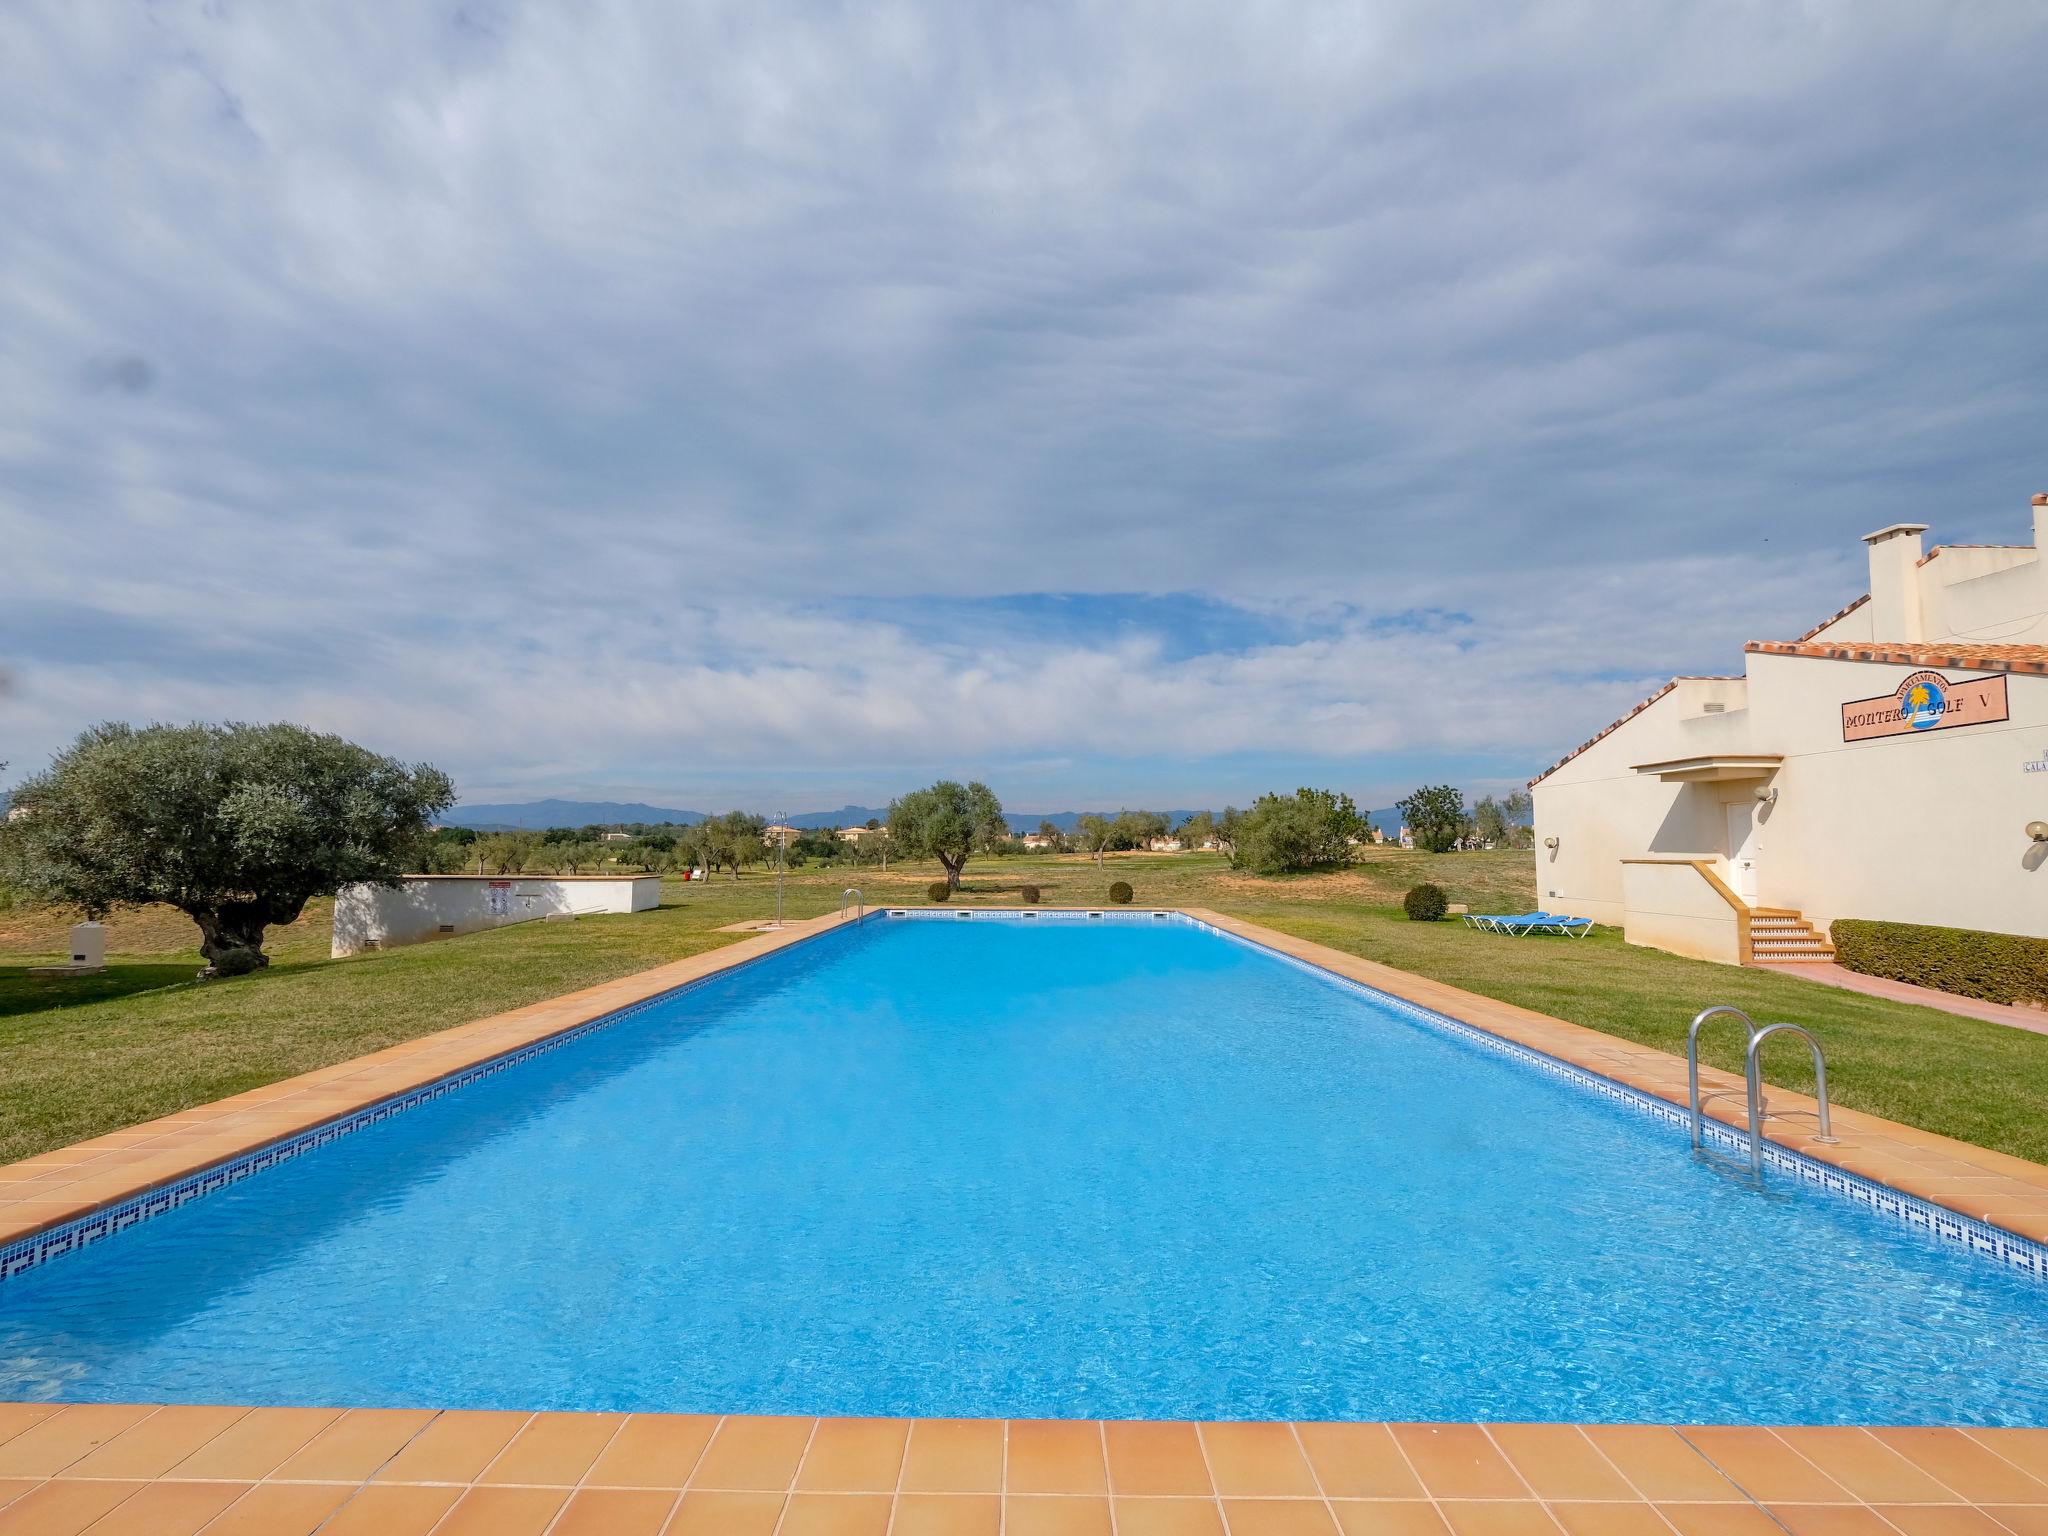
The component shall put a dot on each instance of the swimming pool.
(1034, 1168)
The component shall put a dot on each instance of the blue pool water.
(1052, 1169)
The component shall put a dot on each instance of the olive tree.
(1308, 830)
(237, 826)
(1435, 814)
(946, 822)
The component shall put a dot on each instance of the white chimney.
(2041, 546)
(1895, 582)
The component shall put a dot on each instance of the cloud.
(642, 396)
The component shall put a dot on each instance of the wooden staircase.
(1779, 934)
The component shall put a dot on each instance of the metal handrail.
(1756, 1090)
(1692, 1058)
(860, 904)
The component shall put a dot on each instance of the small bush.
(1121, 893)
(1030, 895)
(1425, 904)
(1997, 967)
(938, 890)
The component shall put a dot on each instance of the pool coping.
(71, 1195)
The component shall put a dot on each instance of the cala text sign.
(1926, 701)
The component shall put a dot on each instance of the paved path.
(1829, 974)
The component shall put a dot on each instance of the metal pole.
(781, 858)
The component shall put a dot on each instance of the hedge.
(1426, 904)
(1997, 967)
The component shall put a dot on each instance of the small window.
(1713, 709)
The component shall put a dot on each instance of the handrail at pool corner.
(1692, 1058)
(1754, 1074)
(860, 904)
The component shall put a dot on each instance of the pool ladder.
(1753, 1075)
(851, 897)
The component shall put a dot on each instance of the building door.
(1743, 849)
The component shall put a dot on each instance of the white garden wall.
(431, 906)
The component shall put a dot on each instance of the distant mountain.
(536, 815)
(845, 816)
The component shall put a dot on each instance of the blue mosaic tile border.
(55, 1242)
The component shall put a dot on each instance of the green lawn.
(88, 1055)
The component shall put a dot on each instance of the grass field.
(82, 1056)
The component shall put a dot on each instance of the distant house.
(855, 834)
(1036, 840)
(615, 837)
(1407, 838)
(1164, 845)
(780, 834)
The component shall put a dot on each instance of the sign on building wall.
(1926, 701)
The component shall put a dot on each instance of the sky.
(785, 404)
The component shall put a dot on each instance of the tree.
(1136, 829)
(1434, 813)
(237, 826)
(1093, 834)
(1520, 813)
(1229, 828)
(946, 822)
(731, 840)
(1197, 830)
(1489, 822)
(1308, 830)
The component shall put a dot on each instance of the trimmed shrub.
(1997, 967)
(938, 890)
(1425, 904)
(1121, 893)
(1030, 895)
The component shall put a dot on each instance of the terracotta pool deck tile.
(2026, 1449)
(1611, 1519)
(256, 1444)
(1962, 1463)
(615, 1512)
(392, 1510)
(16, 1417)
(1257, 1460)
(1279, 1517)
(1166, 1517)
(1765, 1467)
(954, 1456)
(854, 1456)
(1720, 1520)
(1871, 1470)
(1832, 1520)
(1401, 1517)
(753, 1454)
(947, 1514)
(836, 1514)
(1056, 1456)
(44, 1449)
(280, 1509)
(1662, 1466)
(455, 1448)
(2020, 1519)
(158, 1443)
(167, 1509)
(554, 1449)
(503, 1512)
(1053, 1515)
(1458, 1461)
(1155, 1458)
(1498, 1517)
(61, 1508)
(653, 1450)
(1942, 1520)
(1559, 1462)
(725, 1514)
(1359, 1461)
(355, 1445)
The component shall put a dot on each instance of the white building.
(1890, 763)
(433, 906)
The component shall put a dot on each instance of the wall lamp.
(1767, 794)
(2038, 831)
(1551, 842)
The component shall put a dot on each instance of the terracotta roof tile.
(1916, 653)
(1838, 614)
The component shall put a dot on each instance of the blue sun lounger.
(1521, 924)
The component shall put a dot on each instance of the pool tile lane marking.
(58, 1200)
